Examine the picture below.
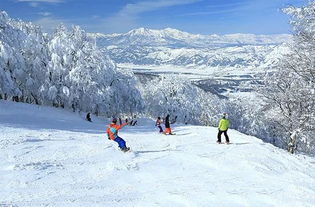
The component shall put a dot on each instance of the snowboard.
(126, 150)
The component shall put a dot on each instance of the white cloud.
(96, 17)
(126, 18)
(226, 5)
(33, 4)
(145, 6)
(222, 11)
(239, 7)
(45, 14)
(39, 1)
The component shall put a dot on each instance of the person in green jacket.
(223, 127)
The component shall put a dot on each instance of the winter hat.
(225, 115)
(114, 120)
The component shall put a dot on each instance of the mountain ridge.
(170, 34)
(174, 47)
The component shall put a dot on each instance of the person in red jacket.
(112, 132)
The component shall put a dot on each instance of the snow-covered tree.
(9, 57)
(81, 77)
(290, 90)
(23, 57)
(179, 97)
(125, 96)
(36, 57)
(64, 69)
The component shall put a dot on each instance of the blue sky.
(194, 16)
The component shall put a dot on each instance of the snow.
(52, 157)
(170, 35)
(177, 48)
(197, 57)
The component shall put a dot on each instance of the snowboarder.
(223, 127)
(168, 129)
(158, 124)
(112, 132)
(88, 117)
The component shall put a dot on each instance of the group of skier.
(113, 128)
(168, 130)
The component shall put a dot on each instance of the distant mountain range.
(173, 47)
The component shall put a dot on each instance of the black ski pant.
(225, 134)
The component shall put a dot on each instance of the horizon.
(185, 32)
(192, 16)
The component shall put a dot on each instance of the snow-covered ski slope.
(52, 157)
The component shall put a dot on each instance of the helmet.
(114, 120)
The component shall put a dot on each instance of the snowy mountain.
(176, 38)
(51, 157)
(173, 47)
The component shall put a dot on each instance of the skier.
(185, 120)
(158, 124)
(112, 132)
(134, 120)
(88, 117)
(168, 129)
(223, 127)
(174, 120)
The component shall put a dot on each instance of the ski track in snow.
(51, 157)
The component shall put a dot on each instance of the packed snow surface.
(52, 157)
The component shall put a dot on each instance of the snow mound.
(53, 157)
